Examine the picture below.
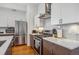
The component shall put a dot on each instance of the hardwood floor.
(22, 50)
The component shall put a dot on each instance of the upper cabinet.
(68, 12)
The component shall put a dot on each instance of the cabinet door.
(31, 41)
(47, 50)
(16, 42)
(55, 13)
(58, 50)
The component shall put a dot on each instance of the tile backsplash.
(71, 33)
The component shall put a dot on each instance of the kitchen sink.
(2, 42)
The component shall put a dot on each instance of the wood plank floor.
(22, 50)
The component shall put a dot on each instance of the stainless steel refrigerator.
(20, 32)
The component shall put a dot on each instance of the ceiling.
(16, 6)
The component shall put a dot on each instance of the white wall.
(47, 24)
(68, 12)
(69, 31)
(41, 8)
(31, 12)
(8, 17)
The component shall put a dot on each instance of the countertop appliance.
(54, 33)
(38, 43)
(57, 33)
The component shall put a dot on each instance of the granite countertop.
(4, 47)
(67, 43)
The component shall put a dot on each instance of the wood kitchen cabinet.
(54, 49)
(47, 50)
(16, 42)
(31, 41)
(59, 50)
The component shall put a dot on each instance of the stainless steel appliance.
(57, 33)
(47, 13)
(10, 30)
(47, 33)
(38, 45)
(54, 33)
(20, 32)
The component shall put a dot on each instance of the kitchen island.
(6, 46)
(60, 46)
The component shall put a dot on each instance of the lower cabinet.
(31, 41)
(16, 42)
(54, 49)
(59, 50)
(47, 50)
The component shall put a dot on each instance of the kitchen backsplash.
(68, 31)
(71, 33)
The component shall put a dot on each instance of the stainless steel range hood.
(45, 16)
(47, 11)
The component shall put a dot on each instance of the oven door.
(37, 45)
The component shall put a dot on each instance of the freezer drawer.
(19, 40)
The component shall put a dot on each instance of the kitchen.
(45, 28)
